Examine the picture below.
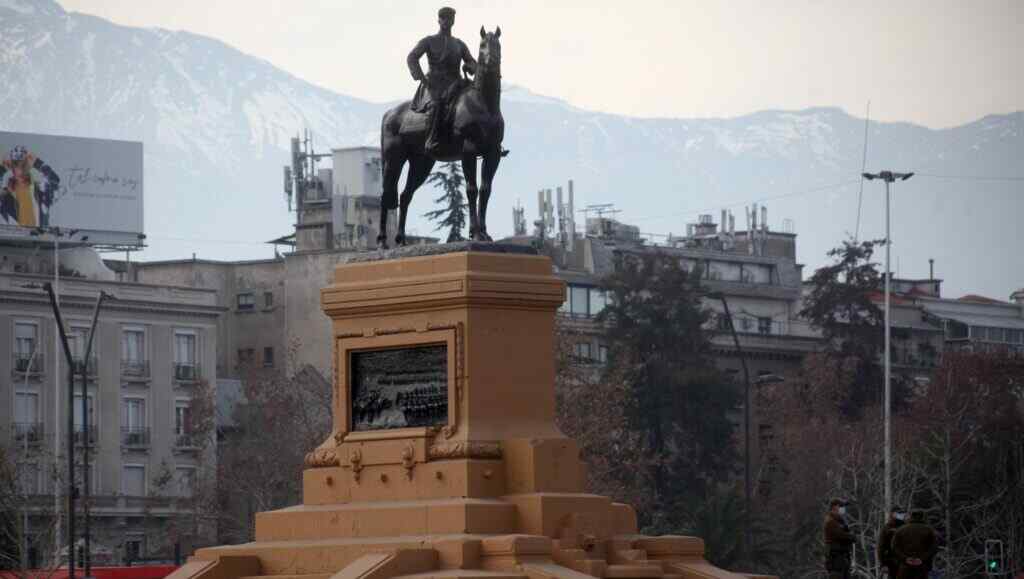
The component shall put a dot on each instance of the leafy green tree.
(452, 213)
(841, 304)
(676, 400)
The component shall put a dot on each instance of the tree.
(452, 213)
(841, 305)
(968, 424)
(676, 402)
(280, 418)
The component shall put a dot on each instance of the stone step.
(387, 519)
(634, 571)
(315, 557)
(464, 574)
(306, 576)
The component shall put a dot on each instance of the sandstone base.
(493, 493)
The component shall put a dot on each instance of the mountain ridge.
(216, 125)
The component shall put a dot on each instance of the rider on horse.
(441, 85)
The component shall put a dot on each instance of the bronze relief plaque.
(399, 387)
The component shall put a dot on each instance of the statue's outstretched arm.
(414, 60)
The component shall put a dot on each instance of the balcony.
(80, 366)
(135, 369)
(27, 363)
(30, 433)
(80, 435)
(186, 372)
(137, 437)
(185, 441)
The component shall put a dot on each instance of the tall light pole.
(889, 177)
(747, 539)
(85, 431)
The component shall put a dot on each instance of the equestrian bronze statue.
(451, 118)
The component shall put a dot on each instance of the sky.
(937, 63)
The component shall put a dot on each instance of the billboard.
(92, 185)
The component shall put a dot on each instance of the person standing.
(838, 541)
(886, 558)
(914, 545)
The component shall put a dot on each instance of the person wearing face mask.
(886, 558)
(838, 541)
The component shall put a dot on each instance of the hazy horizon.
(936, 64)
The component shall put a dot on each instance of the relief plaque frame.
(449, 336)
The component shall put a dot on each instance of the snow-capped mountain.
(216, 125)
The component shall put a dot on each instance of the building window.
(27, 427)
(184, 480)
(133, 352)
(602, 354)
(133, 480)
(133, 422)
(185, 367)
(90, 407)
(268, 300)
(183, 424)
(134, 548)
(268, 357)
(246, 301)
(581, 350)
(25, 356)
(580, 305)
(764, 326)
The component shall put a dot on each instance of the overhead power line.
(970, 177)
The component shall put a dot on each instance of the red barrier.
(139, 572)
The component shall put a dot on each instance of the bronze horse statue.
(476, 129)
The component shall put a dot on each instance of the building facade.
(154, 352)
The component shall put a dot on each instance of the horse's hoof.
(484, 236)
(400, 239)
(382, 242)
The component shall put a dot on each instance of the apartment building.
(154, 351)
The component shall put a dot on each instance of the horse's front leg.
(469, 172)
(490, 167)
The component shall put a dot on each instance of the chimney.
(931, 269)
(572, 212)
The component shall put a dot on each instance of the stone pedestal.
(485, 485)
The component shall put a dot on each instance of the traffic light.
(994, 565)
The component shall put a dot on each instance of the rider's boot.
(433, 144)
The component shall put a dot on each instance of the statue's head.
(446, 18)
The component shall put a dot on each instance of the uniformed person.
(914, 545)
(886, 558)
(838, 541)
(441, 83)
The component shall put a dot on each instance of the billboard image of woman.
(27, 188)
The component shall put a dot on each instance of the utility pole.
(889, 177)
(747, 538)
(56, 233)
(85, 428)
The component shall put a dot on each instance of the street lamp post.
(72, 489)
(85, 427)
(889, 177)
(747, 540)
